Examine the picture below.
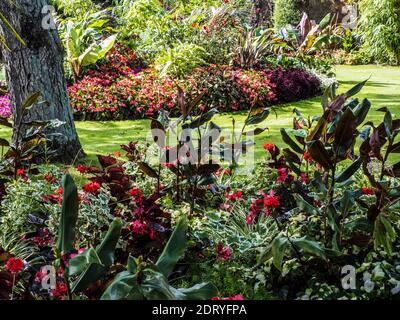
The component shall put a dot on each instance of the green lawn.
(383, 89)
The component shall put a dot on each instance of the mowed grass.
(383, 89)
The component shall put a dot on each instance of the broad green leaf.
(201, 291)
(145, 168)
(310, 246)
(320, 154)
(346, 203)
(356, 89)
(362, 110)
(325, 21)
(79, 263)
(124, 286)
(31, 100)
(69, 216)
(174, 249)
(257, 116)
(350, 171)
(105, 251)
(388, 123)
(279, 246)
(289, 141)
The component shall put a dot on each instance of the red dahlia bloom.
(60, 290)
(271, 200)
(136, 193)
(234, 196)
(15, 265)
(138, 227)
(367, 191)
(269, 146)
(20, 172)
(92, 187)
(82, 169)
(59, 190)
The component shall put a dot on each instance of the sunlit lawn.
(383, 89)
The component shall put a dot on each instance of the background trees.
(379, 27)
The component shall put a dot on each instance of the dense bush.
(286, 12)
(128, 90)
(294, 84)
(379, 27)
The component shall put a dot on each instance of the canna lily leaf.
(174, 249)
(69, 215)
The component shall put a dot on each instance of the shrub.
(231, 89)
(180, 60)
(294, 84)
(286, 12)
(379, 27)
(121, 88)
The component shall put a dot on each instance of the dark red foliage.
(294, 84)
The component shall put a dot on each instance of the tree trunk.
(38, 66)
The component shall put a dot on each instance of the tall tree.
(35, 66)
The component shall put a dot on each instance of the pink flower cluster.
(122, 89)
(5, 107)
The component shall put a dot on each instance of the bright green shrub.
(180, 60)
(74, 8)
(286, 12)
(379, 26)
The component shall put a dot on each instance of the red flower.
(92, 187)
(40, 275)
(60, 290)
(82, 169)
(59, 191)
(138, 227)
(271, 200)
(367, 191)
(117, 154)
(234, 196)
(20, 172)
(283, 174)
(223, 251)
(306, 156)
(15, 265)
(269, 146)
(136, 193)
(304, 178)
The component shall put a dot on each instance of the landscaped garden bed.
(219, 153)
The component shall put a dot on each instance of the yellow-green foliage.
(379, 26)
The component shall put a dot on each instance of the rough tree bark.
(38, 66)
